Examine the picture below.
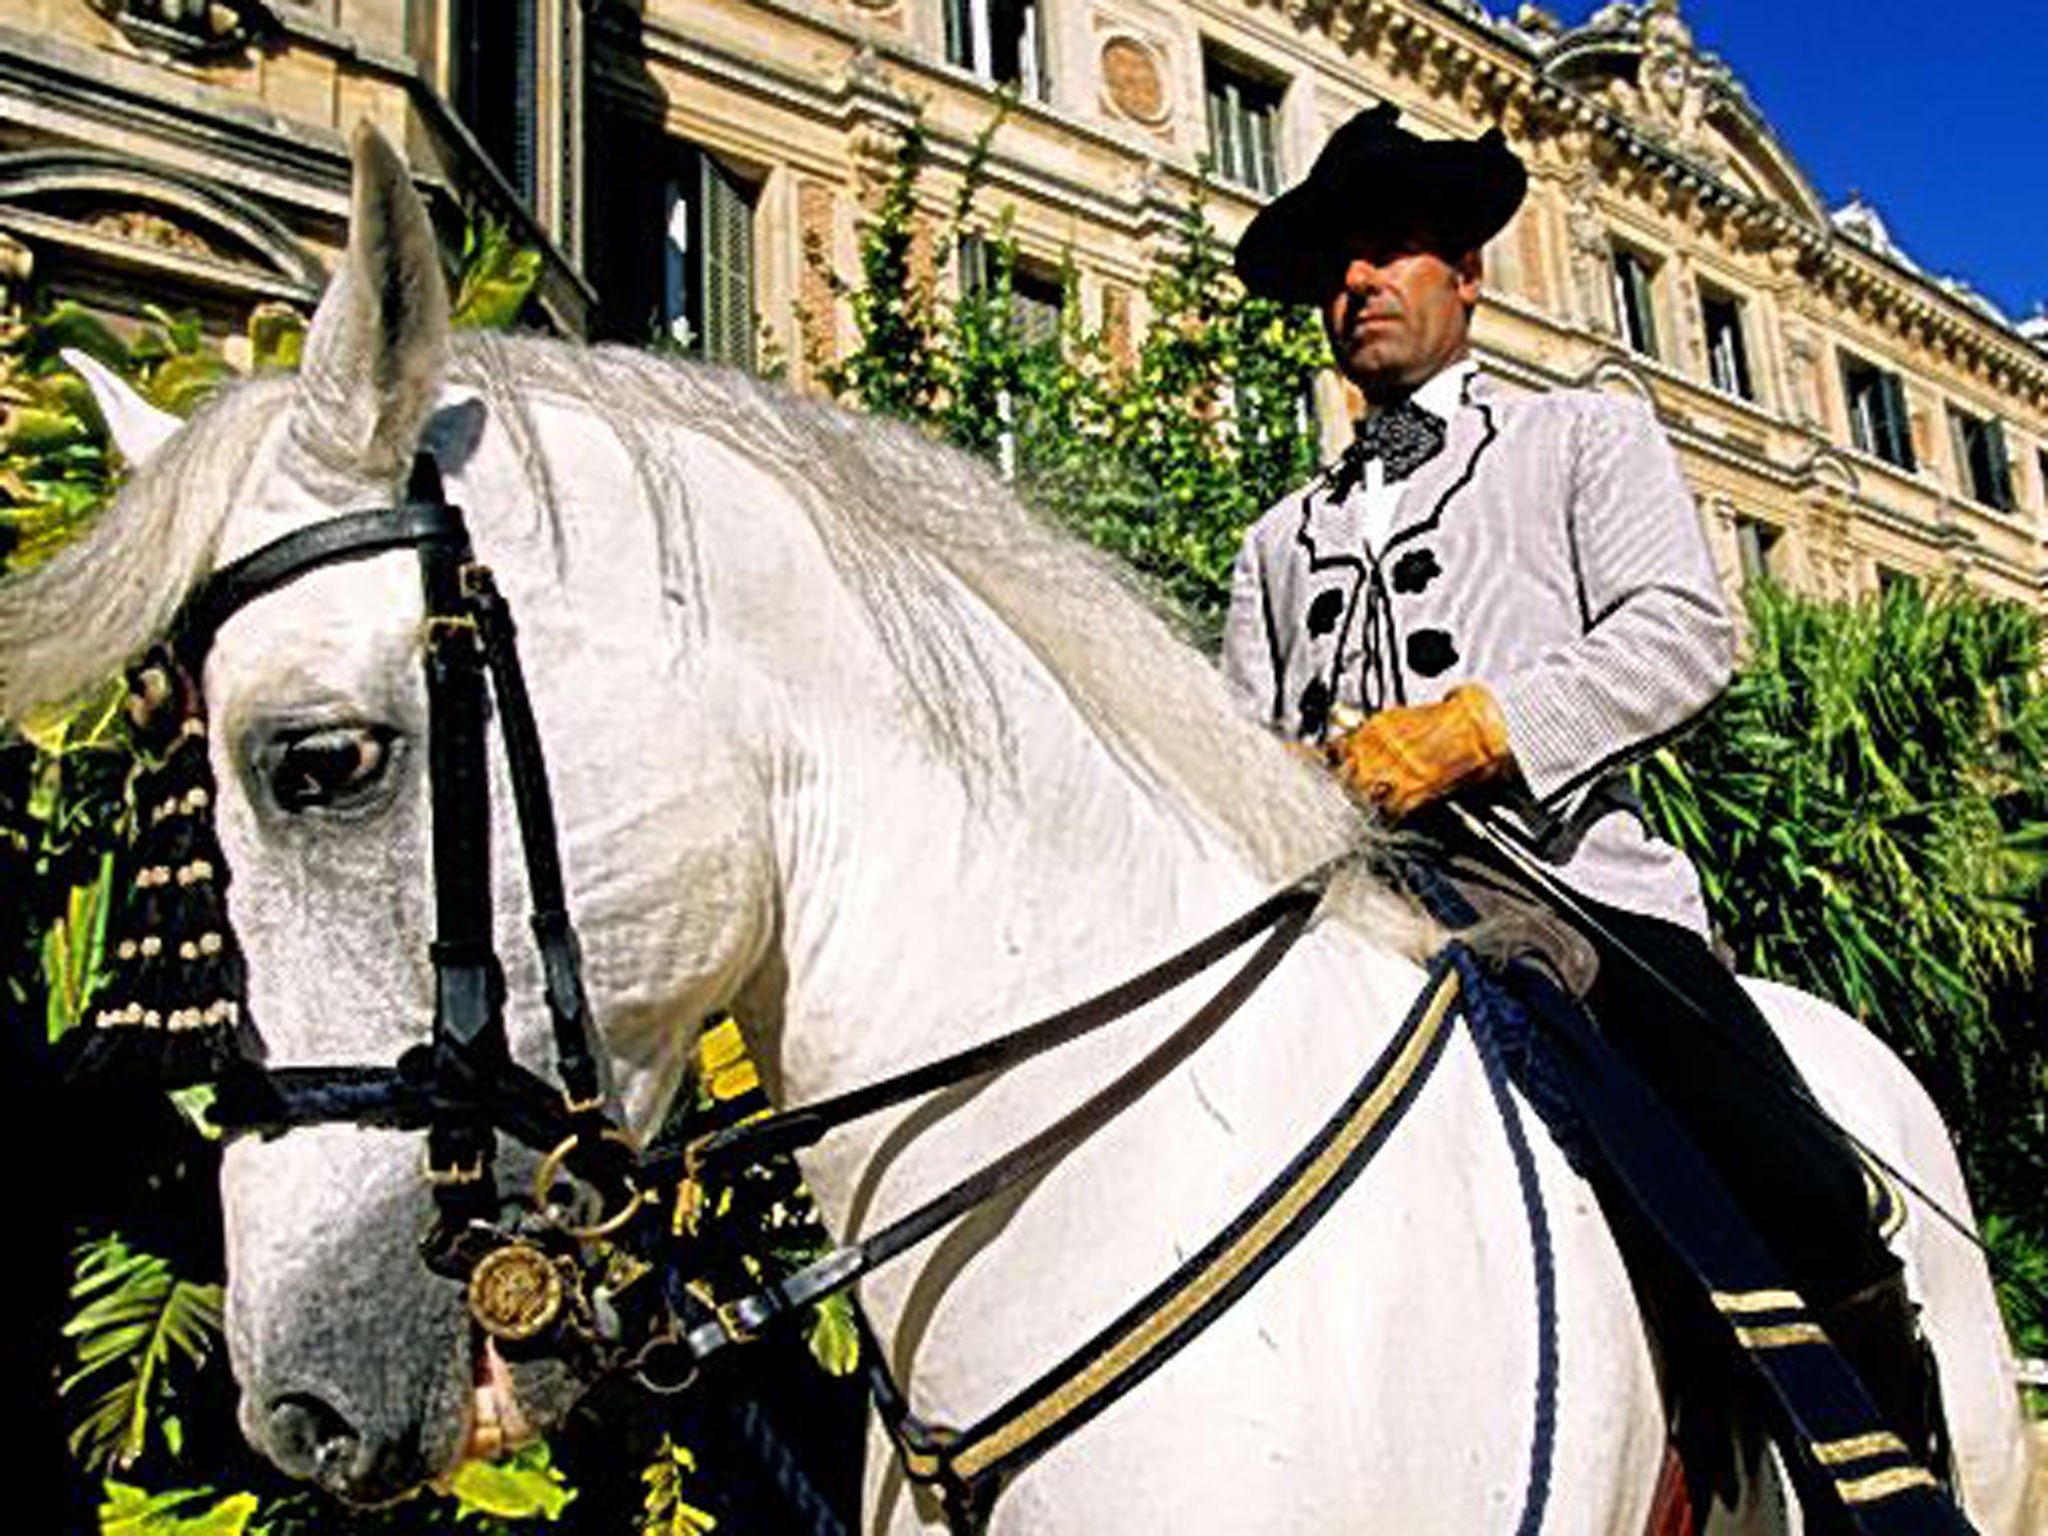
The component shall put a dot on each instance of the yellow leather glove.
(1403, 758)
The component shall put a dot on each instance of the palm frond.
(135, 1317)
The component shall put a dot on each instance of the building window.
(1038, 297)
(494, 84)
(1894, 584)
(2041, 475)
(1727, 354)
(1877, 411)
(1000, 40)
(1244, 124)
(1037, 300)
(707, 291)
(1755, 541)
(1985, 471)
(1634, 299)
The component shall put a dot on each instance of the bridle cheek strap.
(462, 1084)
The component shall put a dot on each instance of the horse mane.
(76, 619)
(918, 563)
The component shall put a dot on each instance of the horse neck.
(929, 904)
(923, 910)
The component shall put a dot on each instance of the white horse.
(844, 740)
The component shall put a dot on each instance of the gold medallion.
(514, 1292)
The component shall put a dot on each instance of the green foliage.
(1160, 458)
(129, 1511)
(135, 1319)
(2020, 1259)
(666, 1511)
(498, 277)
(74, 950)
(524, 1486)
(1868, 809)
(899, 367)
(835, 1335)
(1869, 812)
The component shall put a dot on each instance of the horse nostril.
(310, 1439)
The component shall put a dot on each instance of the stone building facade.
(1845, 417)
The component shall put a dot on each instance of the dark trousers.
(1731, 1087)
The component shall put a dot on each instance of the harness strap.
(791, 1130)
(352, 536)
(969, 1466)
(554, 934)
(736, 1321)
(469, 983)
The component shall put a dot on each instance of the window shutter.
(727, 242)
(1898, 427)
(524, 171)
(2000, 467)
(1263, 171)
(1853, 401)
(974, 276)
(1222, 138)
(960, 35)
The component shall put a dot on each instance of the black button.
(1314, 708)
(1416, 570)
(1430, 651)
(1325, 611)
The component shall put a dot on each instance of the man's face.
(1400, 314)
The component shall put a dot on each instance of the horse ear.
(137, 427)
(374, 354)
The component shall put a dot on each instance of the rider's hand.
(1403, 758)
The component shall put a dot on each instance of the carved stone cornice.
(193, 31)
(1926, 317)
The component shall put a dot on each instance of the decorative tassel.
(175, 1009)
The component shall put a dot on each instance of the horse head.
(356, 1363)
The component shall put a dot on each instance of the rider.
(1512, 592)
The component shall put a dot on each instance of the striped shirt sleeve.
(1656, 644)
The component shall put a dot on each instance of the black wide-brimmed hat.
(1375, 179)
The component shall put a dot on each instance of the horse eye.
(329, 768)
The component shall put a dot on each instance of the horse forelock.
(942, 557)
(75, 619)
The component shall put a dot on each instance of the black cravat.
(1402, 436)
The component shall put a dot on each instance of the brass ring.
(552, 1164)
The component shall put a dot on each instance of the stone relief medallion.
(1136, 83)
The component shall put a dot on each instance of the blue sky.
(1937, 113)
